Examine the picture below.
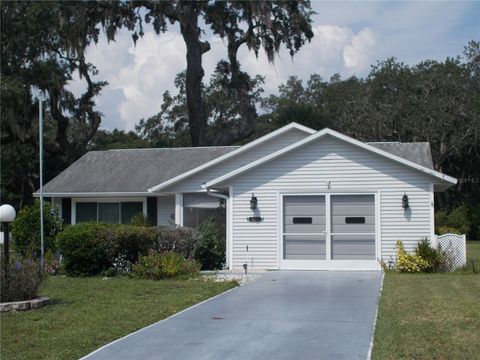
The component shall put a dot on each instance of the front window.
(109, 212)
(198, 207)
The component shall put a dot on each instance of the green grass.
(86, 313)
(430, 316)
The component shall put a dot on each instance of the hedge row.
(90, 248)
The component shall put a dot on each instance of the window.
(109, 212)
(86, 211)
(129, 210)
(302, 220)
(198, 207)
(355, 220)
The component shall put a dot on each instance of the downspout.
(227, 228)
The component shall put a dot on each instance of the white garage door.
(329, 231)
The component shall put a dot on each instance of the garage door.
(329, 231)
(304, 225)
(353, 227)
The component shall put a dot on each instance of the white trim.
(179, 209)
(229, 255)
(432, 216)
(328, 263)
(95, 194)
(328, 227)
(97, 200)
(337, 135)
(378, 227)
(231, 154)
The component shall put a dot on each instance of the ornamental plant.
(407, 262)
(169, 264)
(21, 281)
(26, 229)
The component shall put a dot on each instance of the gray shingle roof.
(417, 152)
(133, 170)
(137, 170)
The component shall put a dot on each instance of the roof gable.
(441, 177)
(270, 136)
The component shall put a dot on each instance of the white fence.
(455, 246)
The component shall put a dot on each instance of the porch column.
(179, 209)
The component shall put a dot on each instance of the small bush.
(90, 248)
(458, 219)
(157, 266)
(210, 249)
(26, 229)
(433, 257)
(140, 220)
(178, 239)
(407, 262)
(22, 281)
(440, 230)
(51, 263)
(85, 253)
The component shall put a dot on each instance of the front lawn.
(430, 316)
(86, 313)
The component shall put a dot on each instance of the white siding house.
(293, 199)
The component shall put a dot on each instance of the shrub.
(26, 229)
(51, 263)
(210, 249)
(457, 219)
(440, 230)
(474, 213)
(170, 264)
(407, 262)
(140, 220)
(178, 239)
(85, 253)
(90, 248)
(433, 257)
(22, 281)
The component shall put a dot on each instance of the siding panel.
(309, 169)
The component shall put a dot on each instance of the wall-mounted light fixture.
(405, 204)
(253, 202)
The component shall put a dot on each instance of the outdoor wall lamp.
(253, 202)
(405, 204)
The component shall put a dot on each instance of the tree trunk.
(240, 92)
(197, 116)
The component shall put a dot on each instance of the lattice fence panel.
(455, 247)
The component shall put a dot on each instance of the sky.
(349, 38)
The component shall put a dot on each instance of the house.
(295, 198)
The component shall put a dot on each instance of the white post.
(179, 209)
(464, 250)
(40, 142)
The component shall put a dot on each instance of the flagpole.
(40, 142)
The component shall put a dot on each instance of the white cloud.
(358, 54)
(347, 41)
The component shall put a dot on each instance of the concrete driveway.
(282, 315)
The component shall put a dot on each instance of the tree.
(170, 127)
(262, 24)
(42, 46)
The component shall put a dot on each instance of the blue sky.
(349, 38)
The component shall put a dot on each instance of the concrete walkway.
(282, 315)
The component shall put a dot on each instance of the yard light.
(253, 202)
(405, 204)
(7, 215)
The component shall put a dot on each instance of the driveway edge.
(370, 348)
(155, 323)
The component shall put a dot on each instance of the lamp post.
(7, 215)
